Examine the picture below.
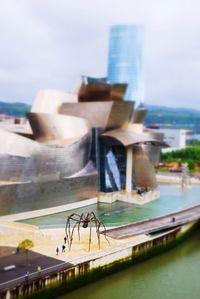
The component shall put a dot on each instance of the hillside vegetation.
(181, 118)
(14, 109)
(191, 155)
(160, 115)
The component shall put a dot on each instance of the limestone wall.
(65, 277)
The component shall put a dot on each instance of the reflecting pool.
(119, 213)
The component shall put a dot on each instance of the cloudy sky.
(50, 43)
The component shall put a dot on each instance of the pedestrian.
(39, 269)
(65, 239)
(27, 276)
(63, 248)
(57, 251)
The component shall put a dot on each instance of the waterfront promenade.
(120, 238)
(156, 224)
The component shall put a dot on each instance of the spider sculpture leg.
(67, 232)
(73, 217)
(96, 221)
(80, 221)
(90, 236)
(72, 233)
(101, 223)
(98, 231)
(93, 216)
(97, 225)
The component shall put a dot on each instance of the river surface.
(172, 275)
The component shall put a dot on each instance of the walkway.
(155, 224)
(19, 260)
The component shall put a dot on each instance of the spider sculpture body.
(83, 221)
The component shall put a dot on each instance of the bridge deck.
(156, 224)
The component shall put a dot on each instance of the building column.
(129, 168)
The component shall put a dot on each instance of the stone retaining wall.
(58, 280)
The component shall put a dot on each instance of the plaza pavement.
(45, 243)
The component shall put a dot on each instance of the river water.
(172, 275)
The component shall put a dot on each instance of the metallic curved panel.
(17, 198)
(88, 79)
(22, 129)
(96, 113)
(101, 114)
(62, 161)
(59, 128)
(16, 145)
(120, 115)
(143, 171)
(139, 116)
(49, 163)
(152, 151)
(95, 92)
(48, 101)
(12, 168)
(118, 91)
(126, 137)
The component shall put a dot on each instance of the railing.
(39, 274)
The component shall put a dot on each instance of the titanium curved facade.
(152, 151)
(52, 170)
(105, 115)
(143, 171)
(125, 59)
(75, 149)
(139, 116)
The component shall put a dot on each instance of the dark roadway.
(19, 260)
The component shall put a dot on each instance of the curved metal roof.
(126, 138)
(139, 116)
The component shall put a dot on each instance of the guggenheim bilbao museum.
(74, 146)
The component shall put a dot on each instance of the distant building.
(192, 137)
(175, 138)
(5, 117)
(125, 60)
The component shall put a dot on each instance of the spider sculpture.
(84, 221)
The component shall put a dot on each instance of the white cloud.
(50, 43)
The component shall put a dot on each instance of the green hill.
(181, 118)
(14, 109)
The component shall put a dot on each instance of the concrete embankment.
(167, 178)
(60, 279)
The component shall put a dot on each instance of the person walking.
(65, 239)
(39, 269)
(173, 219)
(27, 276)
(63, 248)
(57, 251)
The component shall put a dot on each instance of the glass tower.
(125, 60)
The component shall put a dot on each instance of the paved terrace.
(156, 224)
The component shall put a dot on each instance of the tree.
(191, 164)
(25, 246)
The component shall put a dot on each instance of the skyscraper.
(125, 60)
